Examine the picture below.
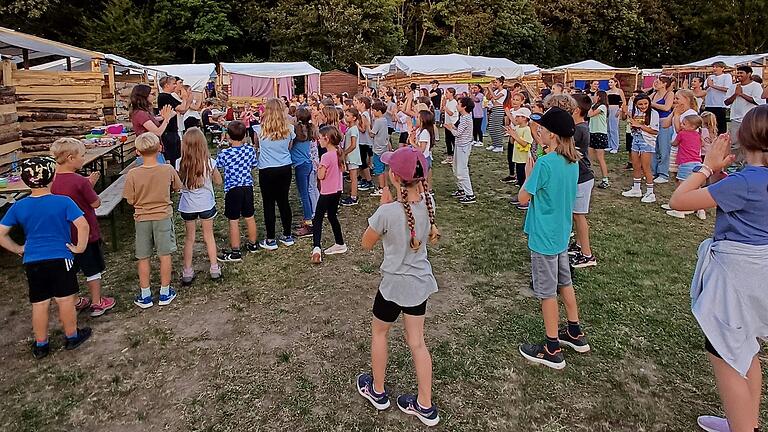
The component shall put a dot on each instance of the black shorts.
(203, 215)
(598, 141)
(91, 261)
(390, 130)
(238, 202)
(710, 349)
(51, 278)
(366, 152)
(388, 311)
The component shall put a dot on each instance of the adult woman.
(662, 102)
(697, 86)
(478, 114)
(140, 112)
(728, 289)
(274, 143)
(498, 96)
(594, 87)
(617, 106)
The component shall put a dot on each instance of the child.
(301, 158)
(423, 139)
(148, 190)
(197, 171)
(464, 134)
(352, 153)
(404, 227)
(363, 105)
(329, 172)
(708, 131)
(550, 187)
(381, 144)
(728, 287)
(237, 162)
(403, 124)
(645, 123)
(598, 135)
(520, 139)
(48, 253)
(69, 153)
(581, 252)
(451, 110)
(688, 144)
(516, 102)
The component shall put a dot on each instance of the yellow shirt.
(520, 151)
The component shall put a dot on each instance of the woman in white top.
(451, 109)
(497, 96)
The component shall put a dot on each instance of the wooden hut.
(337, 82)
(589, 70)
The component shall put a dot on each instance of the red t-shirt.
(139, 118)
(80, 190)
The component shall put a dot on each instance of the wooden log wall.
(52, 105)
(10, 134)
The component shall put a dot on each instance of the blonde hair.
(434, 232)
(274, 125)
(63, 148)
(693, 120)
(688, 94)
(147, 143)
(195, 165)
(566, 148)
(709, 122)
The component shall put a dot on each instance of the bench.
(111, 198)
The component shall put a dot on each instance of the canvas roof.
(121, 65)
(12, 44)
(446, 64)
(271, 69)
(195, 75)
(729, 60)
(585, 64)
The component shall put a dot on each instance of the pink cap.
(404, 161)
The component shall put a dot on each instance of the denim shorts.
(639, 145)
(685, 170)
(378, 166)
(203, 215)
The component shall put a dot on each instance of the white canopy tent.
(269, 79)
(585, 64)
(731, 60)
(22, 46)
(448, 64)
(122, 65)
(271, 70)
(194, 75)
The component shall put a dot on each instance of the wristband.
(703, 169)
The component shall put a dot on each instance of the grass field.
(277, 344)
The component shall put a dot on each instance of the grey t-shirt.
(406, 275)
(365, 138)
(380, 135)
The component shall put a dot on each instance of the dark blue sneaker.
(286, 240)
(165, 300)
(408, 405)
(268, 244)
(365, 388)
(349, 201)
(143, 302)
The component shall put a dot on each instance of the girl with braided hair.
(404, 227)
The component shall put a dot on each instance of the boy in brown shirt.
(148, 190)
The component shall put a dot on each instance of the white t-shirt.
(453, 106)
(200, 199)
(740, 107)
(655, 124)
(424, 137)
(500, 96)
(716, 98)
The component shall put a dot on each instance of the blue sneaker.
(365, 388)
(287, 240)
(165, 300)
(408, 405)
(268, 244)
(143, 302)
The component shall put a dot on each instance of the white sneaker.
(632, 193)
(666, 207)
(661, 180)
(336, 249)
(614, 151)
(676, 214)
(490, 147)
(317, 255)
(701, 214)
(648, 198)
(477, 144)
(498, 149)
(377, 192)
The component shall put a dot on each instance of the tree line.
(337, 33)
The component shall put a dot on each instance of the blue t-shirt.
(742, 206)
(275, 153)
(46, 224)
(237, 163)
(300, 152)
(549, 220)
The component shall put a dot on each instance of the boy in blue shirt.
(47, 252)
(550, 187)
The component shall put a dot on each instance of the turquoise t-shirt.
(549, 220)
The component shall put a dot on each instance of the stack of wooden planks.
(52, 105)
(10, 137)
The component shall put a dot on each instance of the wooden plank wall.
(124, 84)
(52, 105)
(10, 134)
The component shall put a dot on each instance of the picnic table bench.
(110, 199)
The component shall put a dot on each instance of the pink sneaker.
(713, 424)
(82, 303)
(98, 309)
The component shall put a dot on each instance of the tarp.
(194, 75)
(271, 70)
(730, 60)
(586, 64)
(121, 65)
(12, 43)
(446, 64)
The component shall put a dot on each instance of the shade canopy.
(447, 64)
(13, 43)
(122, 65)
(730, 60)
(271, 69)
(194, 75)
(585, 64)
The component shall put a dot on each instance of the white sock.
(648, 187)
(636, 184)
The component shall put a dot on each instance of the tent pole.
(274, 86)
(25, 57)
(69, 64)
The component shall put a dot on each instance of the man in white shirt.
(717, 85)
(742, 97)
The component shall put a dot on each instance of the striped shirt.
(463, 131)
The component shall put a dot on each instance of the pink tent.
(269, 79)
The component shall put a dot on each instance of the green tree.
(210, 27)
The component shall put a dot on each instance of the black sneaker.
(39, 352)
(457, 194)
(349, 201)
(82, 335)
(604, 184)
(578, 343)
(580, 261)
(574, 249)
(252, 247)
(230, 256)
(508, 179)
(468, 199)
(515, 200)
(539, 354)
(628, 167)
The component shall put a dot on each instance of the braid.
(434, 233)
(415, 243)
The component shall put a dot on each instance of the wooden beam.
(69, 64)
(7, 73)
(25, 57)
(96, 65)
(57, 90)
(111, 77)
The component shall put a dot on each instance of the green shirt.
(552, 184)
(599, 123)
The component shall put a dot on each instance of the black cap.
(37, 172)
(557, 121)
